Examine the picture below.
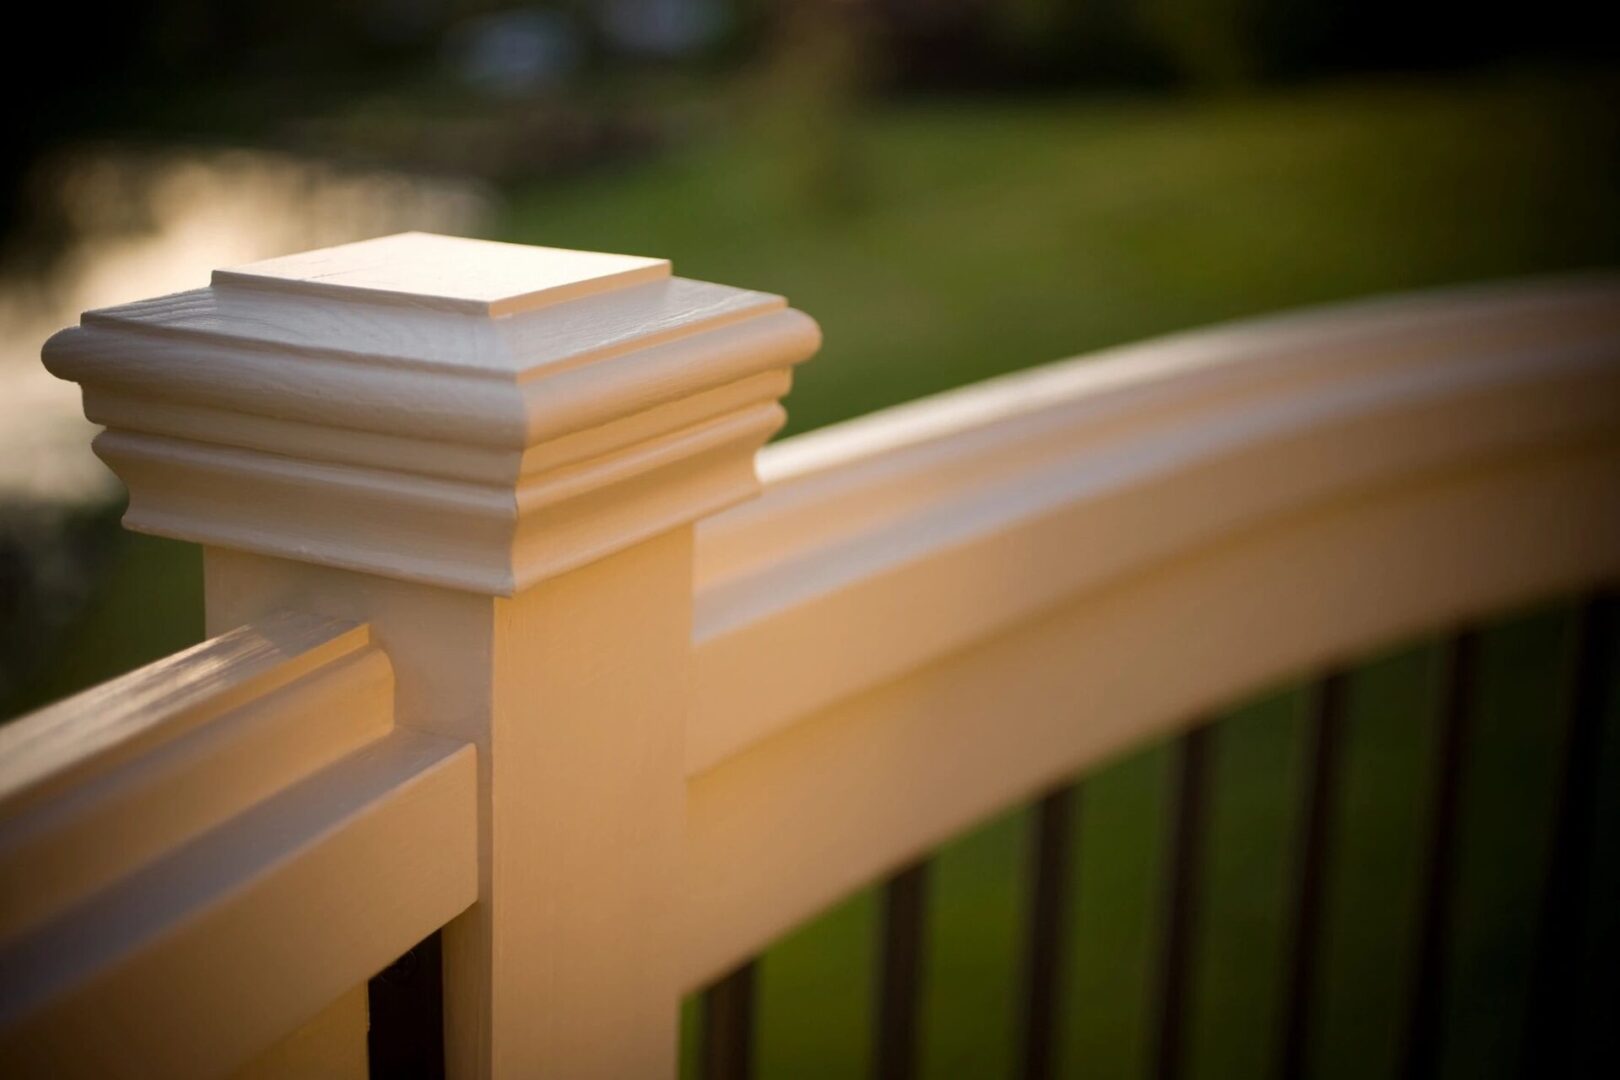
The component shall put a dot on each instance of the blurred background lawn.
(954, 188)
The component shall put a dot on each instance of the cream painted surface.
(645, 748)
(575, 693)
(782, 829)
(48, 751)
(505, 499)
(196, 858)
(896, 540)
(179, 772)
(544, 409)
(330, 1047)
(454, 273)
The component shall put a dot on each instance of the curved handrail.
(937, 609)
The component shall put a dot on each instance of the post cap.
(462, 412)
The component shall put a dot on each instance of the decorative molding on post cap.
(461, 412)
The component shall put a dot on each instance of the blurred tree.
(817, 64)
(1077, 42)
(237, 70)
(1212, 44)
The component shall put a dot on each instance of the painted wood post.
(494, 454)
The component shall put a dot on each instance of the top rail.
(936, 611)
(196, 857)
(1363, 394)
(63, 744)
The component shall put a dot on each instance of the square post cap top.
(446, 273)
(461, 412)
(439, 338)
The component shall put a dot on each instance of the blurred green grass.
(976, 238)
(981, 238)
(814, 992)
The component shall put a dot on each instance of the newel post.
(495, 455)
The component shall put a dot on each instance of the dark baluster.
(728, 1026)
(1554, 986)
(1421, 1049)
(1318, 811)
(900, 958)
(1182, 898)
(405, 1037)
(1048, 913)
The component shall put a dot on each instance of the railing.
(548, 693)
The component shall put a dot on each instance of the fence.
(513, 679)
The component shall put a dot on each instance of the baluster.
(405, 1032)
(1318, 815)
(900, 974)
(1183, 898)
(1421, 1040)
(1555, 974)
(728, 1026)
(1046, 946)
